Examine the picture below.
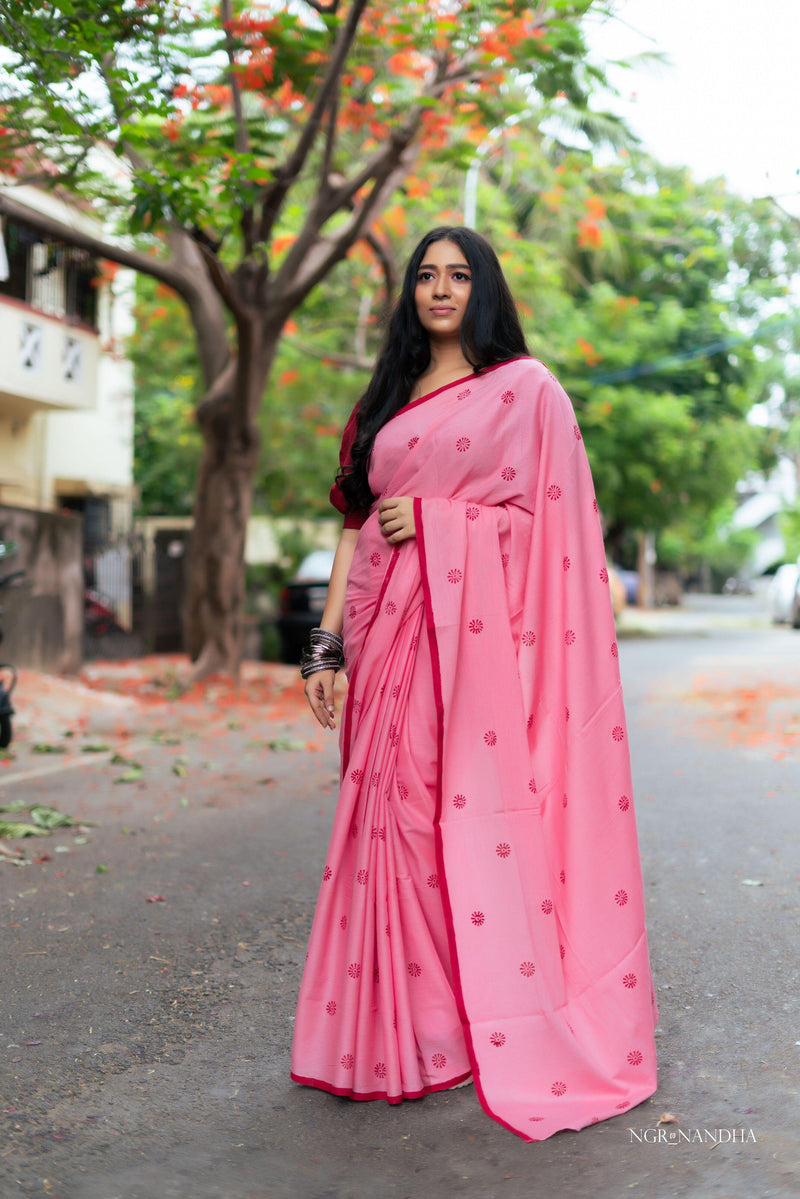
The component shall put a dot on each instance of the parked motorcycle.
(8, 674)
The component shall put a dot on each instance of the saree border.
(366, 1096)
(487, 370)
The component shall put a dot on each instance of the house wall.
(94, 448)
(66, 390)
(42, 619)
(21, 480)
(45, 360)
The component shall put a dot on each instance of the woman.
(480, 913)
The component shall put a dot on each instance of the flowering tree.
(244, 150)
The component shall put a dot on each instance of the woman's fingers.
(319, 693)
(396, 518)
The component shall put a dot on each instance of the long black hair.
(490, 333)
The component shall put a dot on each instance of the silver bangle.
(325, 652)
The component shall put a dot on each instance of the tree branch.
(241, 136)
(386, 259)
(324, 184)
(355, 362)
(322, 256)
(376, 170)
(285, 176)
(95, 243)
(221, 280)
(399, 138)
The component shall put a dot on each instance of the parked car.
(738, 585)
(630, 581)
(781, 593)
(302, 602)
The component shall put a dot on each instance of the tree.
(634, 284)
(257, 145)
(671, 323)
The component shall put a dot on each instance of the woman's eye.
(461, 276)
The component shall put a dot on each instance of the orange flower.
(590, 354)
(595, 207)
(217, 94)
(282, 243)
(394, 220)
(590, 235)
(495, 46)
(416, 187)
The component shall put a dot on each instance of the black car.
(302, 603)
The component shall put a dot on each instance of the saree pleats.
(377, 1016)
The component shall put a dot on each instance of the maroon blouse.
(352, 520)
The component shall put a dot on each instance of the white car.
(781, 593)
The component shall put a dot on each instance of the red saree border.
(365, 1096)
(437, 827)
(457, 383)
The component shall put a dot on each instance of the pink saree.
(481, 908)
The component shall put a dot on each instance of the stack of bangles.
(325, 652)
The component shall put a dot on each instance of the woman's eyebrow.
(450, 266)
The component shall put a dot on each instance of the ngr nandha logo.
(692, 1136)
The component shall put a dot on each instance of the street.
(154, 952)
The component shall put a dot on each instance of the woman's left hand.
(396, 517)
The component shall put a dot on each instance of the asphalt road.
(152, 962)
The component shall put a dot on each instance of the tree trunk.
(214, 603)
(646, 569)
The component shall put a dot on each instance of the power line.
(639, 369)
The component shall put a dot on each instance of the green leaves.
(44, 819)
(14, 828)
(49, 818)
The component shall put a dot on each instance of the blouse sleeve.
(352, 520)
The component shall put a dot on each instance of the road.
(152, 961)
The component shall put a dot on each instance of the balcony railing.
(53, 278)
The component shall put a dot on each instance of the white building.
(66, 387)
(761, 501)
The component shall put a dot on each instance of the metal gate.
(134, 586)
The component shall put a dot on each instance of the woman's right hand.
(319, 693)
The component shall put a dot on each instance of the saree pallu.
(481, 907)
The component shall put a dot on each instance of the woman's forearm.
(333, 616)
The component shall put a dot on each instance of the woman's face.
(444, 282)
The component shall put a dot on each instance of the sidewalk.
(140, 695)
(697, 615)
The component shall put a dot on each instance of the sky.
(728, 102)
